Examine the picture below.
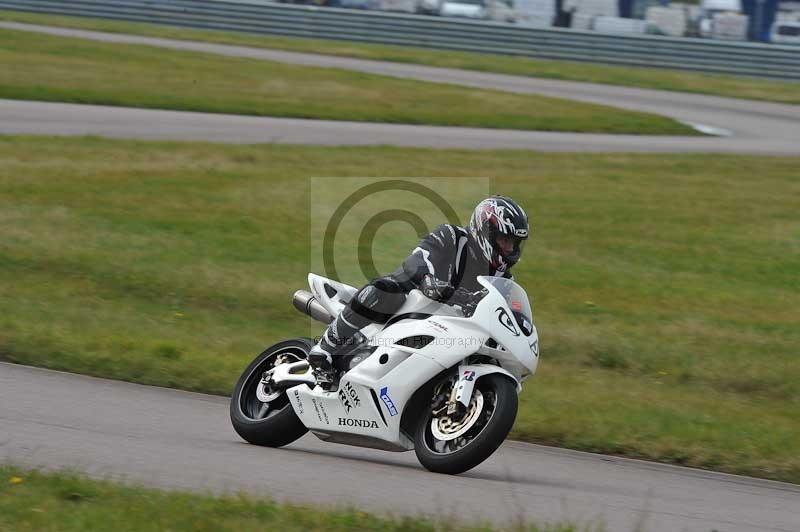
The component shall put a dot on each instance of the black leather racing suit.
(448, 253)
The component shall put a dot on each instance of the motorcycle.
(439, 379)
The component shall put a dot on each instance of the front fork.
(459, 396)
(467, 375)
(462, 391)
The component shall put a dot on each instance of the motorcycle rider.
(448, 259)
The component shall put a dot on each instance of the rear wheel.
(454, 443)
(263, 416)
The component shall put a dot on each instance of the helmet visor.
(509, 245)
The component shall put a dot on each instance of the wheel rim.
(257, 403)
(446, 435)
(446, 427)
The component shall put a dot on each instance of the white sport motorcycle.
(436, 378)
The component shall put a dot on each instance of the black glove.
(467, 300)
(462, 296)
(435, 289)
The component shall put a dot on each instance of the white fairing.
(335, 303)
(367, 408)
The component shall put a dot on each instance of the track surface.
(754, 127)
(174, 439)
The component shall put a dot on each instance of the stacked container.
(619, 25)
(584, 12)
(729, 26)
(672, 21)
(535, 13)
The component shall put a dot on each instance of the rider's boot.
(322, 363)
(338, 341)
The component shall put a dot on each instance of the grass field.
(47, 68)
(672, 80)
(35, 501)
(666, 288)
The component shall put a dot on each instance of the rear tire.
(494, 422)
(272, 424)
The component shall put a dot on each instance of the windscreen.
(517, 301)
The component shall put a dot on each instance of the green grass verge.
(650, 78)
(48, 68)
(666, 286)
(34, 501)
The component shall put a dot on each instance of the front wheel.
(265, 417)
(454, 443)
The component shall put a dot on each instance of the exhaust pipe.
(307, 303)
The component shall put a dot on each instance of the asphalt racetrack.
(741, 126)
(175, 439)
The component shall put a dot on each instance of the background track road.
(174, 439)
(754, 127)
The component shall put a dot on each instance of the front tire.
(273, 423)
(442, 446)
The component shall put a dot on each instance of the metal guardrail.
(259, 16)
